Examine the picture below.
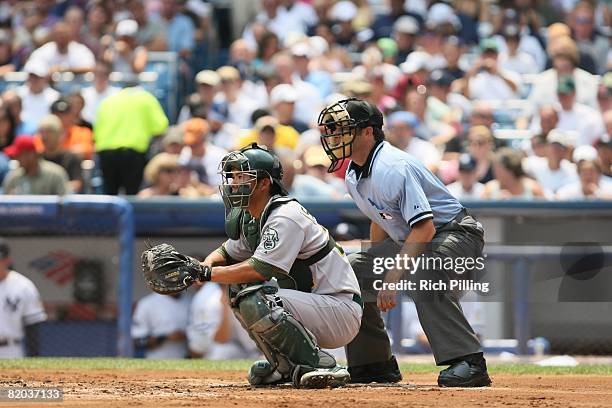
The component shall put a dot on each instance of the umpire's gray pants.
(448, 332)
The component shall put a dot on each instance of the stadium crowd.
(500, 99)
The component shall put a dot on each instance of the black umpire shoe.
(465, 374)
(385, 372)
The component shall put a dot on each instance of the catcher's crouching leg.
(290, 349)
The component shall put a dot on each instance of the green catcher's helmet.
(241, 169)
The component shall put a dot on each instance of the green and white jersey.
(290, 233)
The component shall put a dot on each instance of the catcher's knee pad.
(281, 333)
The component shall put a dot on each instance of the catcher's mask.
(339, 123)
(241, 170)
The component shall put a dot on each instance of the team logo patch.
(269, 238)
(11, 305)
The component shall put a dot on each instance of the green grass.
(140, 364)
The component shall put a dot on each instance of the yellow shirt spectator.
(129, 119)
(286, 136)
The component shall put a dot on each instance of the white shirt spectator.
(309, 104)
(485, 86)
(584, 120)
(20, 305)
(35, 106)
(160, 315)
(239, 111)
(426, 152)
(551, 180)
(460, 193)
(574, 190)
(210, 162)
(205, 317)
(78, 56)
(93, 98)
(544, 90)
(529, 45)
(521, 63)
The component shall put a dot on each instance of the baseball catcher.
(291, 286)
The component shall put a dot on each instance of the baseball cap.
(174, 135)
(228, 73)
(266, 122)
(126, 28)
(359, 87)
(36, 68)
(283, 93)
(62, 105)
(365, 113)
(440, 77)
(207, 77)
(511, 31)
(467, 162)
(559, 137)
(388, 46)
(402, 117)
(416, 61)
(566, 85)
(441, 13)
(316, 156)
(50, 122)
(343, 11)
(406, 25)
(21, 144)
(195, 129)
(4, 248)
(584, 152)
(301, 49)
(488, 44)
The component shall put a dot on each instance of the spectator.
(574, 116)
(561, 31)
(564, 55)
(510, 180)
(125, 55)
(179, 29)
(189, 185)
(150, 32)
(513, 59)
(214, 333)
(284, 138)
(63, 54)
(231, 102)
(98, 91)
(480, 146)
(36, 94)
(547, 120)
(604, 93)
(125, 123)
(77, 139)
(77, 103)
(453, 50)
(34, 175)
(604, 152)
(592, 184)
(467, 186)
(173, 142)
(12, 101)
(486, 80)
(554, 170)
(199, 154)
(402, 126)
(159, 324)
(51, 133)
(96, 29)
(302, 54)
(199, 104)
(282, 101)
(434, 131)
(588, 38)
(442, 104)
(160, 174)
(7, 127)
(303, 186)
(405, 30)
(8, 60)
(316, 162)
(383, 23)
(307, 107)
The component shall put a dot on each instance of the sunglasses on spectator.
(478, 143)
(584, 20)
(168, 170)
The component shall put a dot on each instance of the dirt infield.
(174, 388)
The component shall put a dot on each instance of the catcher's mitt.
(167, 271)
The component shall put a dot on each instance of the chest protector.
(239, 222)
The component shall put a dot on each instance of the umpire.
(412, 214)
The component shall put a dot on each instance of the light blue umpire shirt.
(396, 191)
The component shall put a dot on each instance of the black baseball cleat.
(465, 374)
(384, 372)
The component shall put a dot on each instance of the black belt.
(357, 299)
